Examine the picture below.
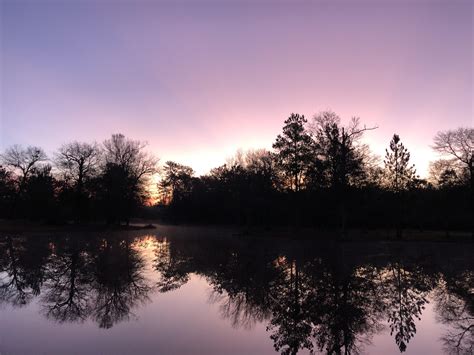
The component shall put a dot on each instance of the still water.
(201, 291)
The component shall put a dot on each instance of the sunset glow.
(236, 177)
(200, 80)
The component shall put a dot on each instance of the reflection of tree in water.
(22, 263)
(347, 310)
(103, 280)
(239, 275)
(241, 286)
(406, 292)
(68, 297)
(290, 322)
(319, 305)
(455, 307)
(172, 266)
(332, 300)
(329, 304)
(119, 283)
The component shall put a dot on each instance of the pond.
(178, 290)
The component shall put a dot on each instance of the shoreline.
(276, 232)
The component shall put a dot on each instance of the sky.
(200, 79)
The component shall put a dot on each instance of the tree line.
(82, 182)
(319, 173)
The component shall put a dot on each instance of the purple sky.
(200, 79)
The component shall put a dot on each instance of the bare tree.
(459, 146)
(129, 154)
(126, 172)
(78, 161)
(22, 161)
(446, 173)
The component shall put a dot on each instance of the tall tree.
(126, 173)
(340, 159)
(294, 150)
(79, 163)
(399, 175)
(335, 147)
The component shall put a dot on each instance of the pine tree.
(294, 150)
(400, 175)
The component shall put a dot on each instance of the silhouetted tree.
(447, 174)
(126, 172)
(176, 182)
(318, 174)
(261, 163)
(21, 161)
(340, 160)
(336, 149)
(78, 163)
(294, 151)
(459, 145)
(130, 155)
(118, 194)
(399, 175)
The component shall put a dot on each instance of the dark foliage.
(321, 176)
(91, 182)
(318, 174)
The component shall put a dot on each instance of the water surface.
(202, 291)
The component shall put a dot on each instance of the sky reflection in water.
(184, 291)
